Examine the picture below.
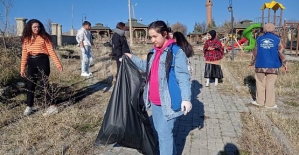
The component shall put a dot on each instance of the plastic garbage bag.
(126, 121)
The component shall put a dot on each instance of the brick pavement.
(211, 127)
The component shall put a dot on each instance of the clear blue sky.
(109, 12)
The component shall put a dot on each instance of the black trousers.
(118, 66)
(38, 69)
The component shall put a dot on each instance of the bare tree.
(227, 26)
(179, 27)
(204, 26)
(212, 25)
(48, 26)
(7, 4)
(197, 27)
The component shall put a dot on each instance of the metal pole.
(130, 24)
(233, 48)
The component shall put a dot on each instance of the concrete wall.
(54, 39)
(69, 40)
(57, 37)
(66, 40)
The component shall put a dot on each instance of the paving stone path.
(210, 128)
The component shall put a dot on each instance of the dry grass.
(226, 87)
(286, 84)
(257, 138)
(239, 67)
(74, 129)
(288, 124)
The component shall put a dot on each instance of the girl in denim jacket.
(168, 92)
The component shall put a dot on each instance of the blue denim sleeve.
(183, 75)
(141, 64)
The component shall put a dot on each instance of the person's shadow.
(230, 149)
(193, 120)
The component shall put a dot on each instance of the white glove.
(186, 106)
(120, 59)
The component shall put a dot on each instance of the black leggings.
(38, 69)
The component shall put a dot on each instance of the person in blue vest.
(168, 88)
(267, 59)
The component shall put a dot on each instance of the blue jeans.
(86, 59)
(164, 129)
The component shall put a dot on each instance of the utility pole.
(130, 24)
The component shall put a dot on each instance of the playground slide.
(247, 33)
(242, 41)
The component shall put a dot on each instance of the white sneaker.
(89, 73)
(51, 111)
(216, 81)
(85, 74)
(208, 83)
(28, 111)
(255, 103)
(274, 107)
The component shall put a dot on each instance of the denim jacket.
(183, 79)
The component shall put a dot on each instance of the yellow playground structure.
(275, 6)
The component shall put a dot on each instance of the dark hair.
(121, 25)
(27, 31)
(86, 23)
(160, 27)
(213, 34)
(183, 43)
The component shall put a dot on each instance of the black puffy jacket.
(119, 46)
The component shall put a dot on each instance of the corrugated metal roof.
(136, 24)
(99, 26)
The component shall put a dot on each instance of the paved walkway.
(211, 127)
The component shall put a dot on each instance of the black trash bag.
(126, 121)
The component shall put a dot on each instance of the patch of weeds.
(288, 124)
(88, 127)
(257, 138)
(191, 135)
(291, 103)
